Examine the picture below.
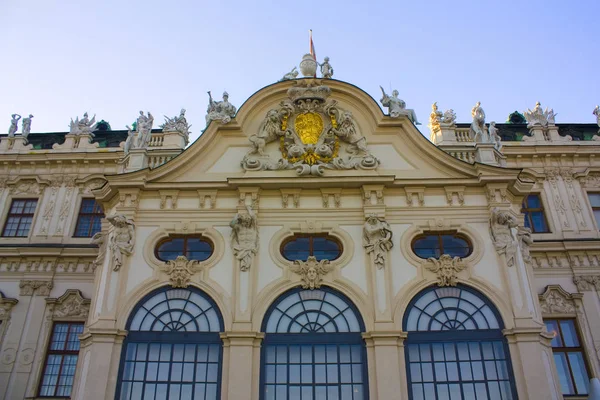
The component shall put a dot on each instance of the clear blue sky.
(114, 57)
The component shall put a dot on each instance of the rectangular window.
(534, 214)
(20, 217)
(88, 221)
(595, 202)
(61, 360)
(568, 356)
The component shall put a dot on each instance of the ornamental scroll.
(313, 134)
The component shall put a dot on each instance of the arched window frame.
(311, 236)
(185, 238)
(439, 235)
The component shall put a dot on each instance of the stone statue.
(494, 136)
(311, 271)
(477, 130)
(377, 239)
(449, 117)
(435, 117)
(293, 74)
(346, 131)
(525, 240)
(446, 268)
(221, 111)
(14, 125)
(144, 129)
(244, 238)
(129, 141)
(26, 129)
(269, 131)
(177, 124)
(397, 107)
(539, 117)
(326, 70)
(83, 126)
(501, 225)
(596, 112)
(99, 239)
(122, 239)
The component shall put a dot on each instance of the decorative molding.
(211, 195)
(6, 305)
(180, 271)
(496, 193)
(377, 239)
(587, 282)
(555, 300)
(26, 186)
(71, 305)
(166, 195)
(446, 268)
(459, 191)
(294, 194)
(327, 193)
(253, 194)
(415, 194)
(372, 195)
(311, 271)
(29, 287)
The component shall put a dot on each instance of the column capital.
(385, 338)
(242, 338)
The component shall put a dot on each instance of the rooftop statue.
(221, 111)
(539, 117)
(437, 118)
(494, 136)
(177, 124)
(14, 125)
(596, 112)
(326, 70)
(293, 74)
(397, 107)
(129, 141)
(83, 126)
(144, 129)
(26, 129)
(477, 130)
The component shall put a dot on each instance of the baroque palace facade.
(307, 246)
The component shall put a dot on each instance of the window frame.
(593, 208)
(310, 236)
(527, 213)
(185, 240)
(80, 214)
(63, 352)
(439, 235)
(581, 348)
(9, 214)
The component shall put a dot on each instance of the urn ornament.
(308, 66)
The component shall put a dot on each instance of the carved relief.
(555, 300)
(99, 239)
(71, 305)
(29, 287)
(122, 239)
(415, 195)
(311, 271)
(587, 282)
(180, 271)
(377, 239)
(446, 268)
(207, 198)
(65, 210)
(525, 240)
(26, 187)
(244, 238)
(501, 224)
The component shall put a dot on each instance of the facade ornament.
(501, 225)
(308, 66)
(555, 300)
(26, 187)
(494, 136)
(6, 305)
(596, 112)
(377, 239)
(180, 271)
(143, 128)
(26, 128)
(437, 119)
(244, 238)
(14, 125)
(293, 74)
(397, 107)
(326, 69)
(221, 111)
(525, 240)
(29, 287)
(446, 268)
(121, 240)
(130, 141)
(70, 305)
(477, 130)
(587, 282)
(314, 134)
(83, 126)
(539, 117)
(177, 124)
(311, 271)
(99, 239)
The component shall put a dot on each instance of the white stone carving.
(121, 240)
(14, 125)
(6, 305)
(293, 74)
(437, 119)
(494, 136)
(180, 271)
(397, 107)
(377, 239)
(143, 128)
(311, 271)
(70, 305)
(501, 225)
(525, 240)
(26, 187)
(177, 124)
(244, 238)
(83, 126)
(130, 141)
(26, 128)
(539, 117)
(596, 112)
(29, 287)
(99, 239)
(446, 268)
(477, 130)
(555, 300)
(314, 134)
(326, 69)
(221, 111)
(308, 66)
(587, 282)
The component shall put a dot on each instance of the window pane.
(569, 333)
(539, 221)
(198, 249)
(325, 249)
(562, 367)
(579, 372)
(533, 201)
(552, 327)
(597, 216)
(427, 246)
(297, 249)
(594, 199)
(61, 360)
(455, 246)
(170, 249)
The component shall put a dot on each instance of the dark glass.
(89, 219)
(20, 218)
(533, 210)
(325, 249)
(434, 245)
(297, 249)
(170, 249)
(594, 199)
(193, 248)
(301, 247)
(198, 249)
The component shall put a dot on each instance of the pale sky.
(113, 58)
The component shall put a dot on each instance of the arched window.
(455, 348)
(192, 247)
(434, 244)
(300, 247)
(313, 348)
(173, 349)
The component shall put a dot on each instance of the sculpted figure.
(293, 74)
(244, 238)
(596, 112)
(346, 131)
(220, 110)
(26, 129)
(122, 239)
(144, 129)
(83, 126)
(537, 116)
(436, 116)
(501, 225)
(129, 141)
(377, 239)
(326, 70)
(496, 139)
(449, 117)
(177, 124)
(525, 240)
(269, 131)
(13, 125)
(397, 107)
(311, 271)
(99, 239)
(477, 130)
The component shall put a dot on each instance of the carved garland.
(71, 305)
(555, 300)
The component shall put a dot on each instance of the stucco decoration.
(99, 239)
(26, 186)
(525, 240)
(313, 133)
(244, 238)
(121, 240)
(477, 130)
(221, 111)
(501, 225)
(29, 287)
(446, 268)
(180, 271)
(6, 305)
(539, 117)
(83, 126)
(311, 271)
(71, 305)
(587, 282)
(377, 239)
(555, 300)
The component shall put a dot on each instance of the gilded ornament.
(309, 126)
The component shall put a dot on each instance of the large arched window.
(455, 348)
(313, 348)
(173, 350)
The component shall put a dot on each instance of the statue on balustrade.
(83, 126)
(477, 130)
(494, 136)
(293, 74)
(397, 107)
(221, 111)
(539, 117)
(26, 128)
(326, 69)
(144, 129)
(14, 122)
(596, 112)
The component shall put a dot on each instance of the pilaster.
(241, 365)
(387, 366)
